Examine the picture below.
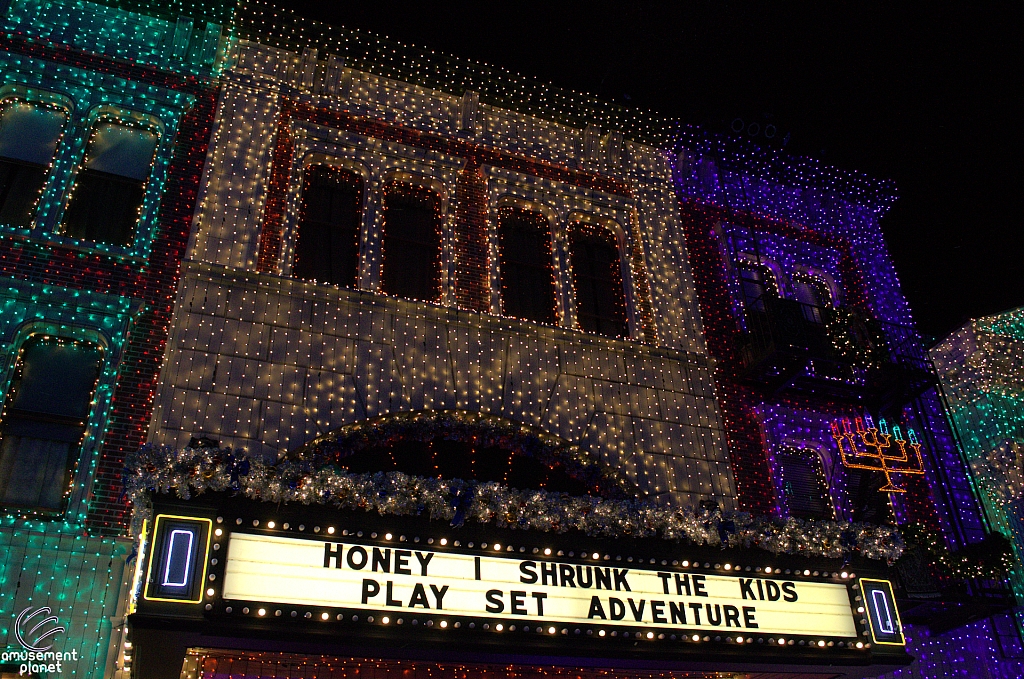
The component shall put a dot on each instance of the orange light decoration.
(877, 442)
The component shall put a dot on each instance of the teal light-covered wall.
(981, 367)
(151, 65)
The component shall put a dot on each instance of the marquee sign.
(260, 572)
(339, 574)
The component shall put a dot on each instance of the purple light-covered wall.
(741, 203)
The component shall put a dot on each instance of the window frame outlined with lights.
(82, 455)
(88, 102)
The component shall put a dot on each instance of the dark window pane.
(803, 486)
(104, 208)
(121, 150)
(754, 287)
(412, 243)
(28, 141)
(20, 186)
(44, 418)
(812, 298)
(327, 245)
(29, 133)
(866, 500)
(597, 278)
(457, 459)
(527, 275)
(111, 185)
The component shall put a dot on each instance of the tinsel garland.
(190, 471)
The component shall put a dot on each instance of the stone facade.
(261, 361)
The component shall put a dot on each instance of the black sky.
(930, 95)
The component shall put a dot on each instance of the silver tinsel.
(195, 471)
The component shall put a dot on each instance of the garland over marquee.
(193, 471)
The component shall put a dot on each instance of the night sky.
(930, 96)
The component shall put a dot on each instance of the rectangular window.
(527, 274)
(597, 281)
(412, 243)
(812, 297)
(44, 417)
(28, 141)
(327, 241)
(803, 484)
(754, 287)
(107, 198)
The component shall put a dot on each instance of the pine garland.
(193, 471)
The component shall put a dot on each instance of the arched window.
(813, 296)
(441, 457)
(107, 197)
(756, 284)
(804, 490)
(412, 243)
(28, 141)
(44, 417)
(327, 239)
(527, 274)
(597, 280)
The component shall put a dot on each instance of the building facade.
(821, 377)
(378, 361)
(425, 288)
(980, 369)
(105, 110)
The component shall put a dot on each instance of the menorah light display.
(878, 454)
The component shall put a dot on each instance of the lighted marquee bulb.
(262, 611)
(547, 551)
(324, 616)
(387, 536)
(271, 524)
(696, 637)
(444, 541)
(218, 532)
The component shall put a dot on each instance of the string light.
(100, 62)
(981, 367)
(811, 220)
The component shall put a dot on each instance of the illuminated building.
(980, 367)
(417, 289)
(815, 342)
(469, 375)
(104, 116)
